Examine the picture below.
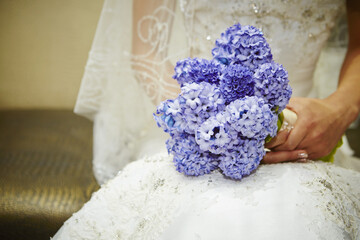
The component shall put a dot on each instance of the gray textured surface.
(45, 171)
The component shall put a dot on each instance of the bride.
(128, 72)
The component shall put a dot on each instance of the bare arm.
(349, 82)
(321, 123)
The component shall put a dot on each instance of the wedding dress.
(148, 198)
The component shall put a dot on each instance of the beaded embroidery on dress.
(148, 199)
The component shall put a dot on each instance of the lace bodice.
(295, 30)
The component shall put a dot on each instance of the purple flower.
(163, 120)
(169, 116)
(189, 158)
(213, 136)
(236, 82)
(195, 104)
(243, 159)
(197, 70)
(199, 102)
(272, 84)
(243, 45)
(252, 118)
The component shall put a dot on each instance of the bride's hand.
(321, 123)
(271, 157)
(319, 126)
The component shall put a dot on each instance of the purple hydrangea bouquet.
(228, 106)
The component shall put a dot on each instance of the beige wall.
(43, 50)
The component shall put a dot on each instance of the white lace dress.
(148, 198)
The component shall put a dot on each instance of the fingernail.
(303, 155)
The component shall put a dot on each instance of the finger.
(279, 139)
(284, 156)
(296, 135)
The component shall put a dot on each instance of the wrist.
(345, 105)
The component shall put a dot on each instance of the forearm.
(349, 81)
(347, 97)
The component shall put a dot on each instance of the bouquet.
(228, 106)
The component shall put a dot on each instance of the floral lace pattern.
(149, 199)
